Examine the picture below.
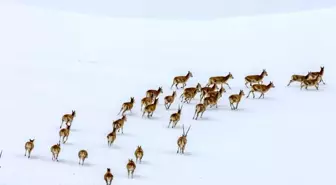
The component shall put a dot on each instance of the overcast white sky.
(180, 9)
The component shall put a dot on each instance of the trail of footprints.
(209, 96)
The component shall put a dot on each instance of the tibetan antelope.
(211, 100)
(149, 109)
(82, 155)
(200, 109)
(299, 78)
(130, 167)
(182, 141)
(108, 177)
(190, 93)
(220, 80)
(214, 93)
(29, 146)
(255, 78)
(147, 100)
(311, 82)
(111, 137)
(68, 118)
(127, 106)
(169, 100)
(205, 90)
(319, 74)
(260, 88)
(64, 134)
(235, 98)
(119, 123)
(181, 80)
(138, 154)
(55, 150)
(154, 93)
(175, 117)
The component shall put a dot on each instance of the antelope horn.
(187, 131)
(183, 128)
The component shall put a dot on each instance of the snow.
(53, 62)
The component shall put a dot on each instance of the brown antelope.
(190, 93)
(68, 118)
(211, 100)
(64, 134)
(181, 80)
(255, 78)
(235, 98)
(200, 109)
(119, 124)
(205, 90)
(169, 100)
(130, 167)
(175, 117)
(55, 150)
(182, 141)
(220, 80)
(147, 100)
(299, 78)
(311, 82)
(260, 88)
(139, 154)
(111, 137)
(188, 96)
(319, 74)
(29, 146)
(149, 109)
(154, 93)
(127, 106)
(108, 177)
(82, 155)
(215, 93)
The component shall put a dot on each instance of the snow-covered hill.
(55, 62)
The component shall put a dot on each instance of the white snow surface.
(54, 62)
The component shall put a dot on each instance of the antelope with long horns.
(175, 117)
(111, 137)
(139, 153)
(260, 88)
(299, 78)
(149, 109)
(108, 177)
(64, 134)
(169, 100)
(29, 146)
(154, 93)
(199, 109)
(220, 80)
(130, 168)
(255, 78)
(55, 150)
(181, 80)
(235, 98)
(127, 106)
(182, 141)
(82, 155)
(119, 123)
(68, 118)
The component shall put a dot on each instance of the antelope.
(119, 124)
(169, 100)
(82, 155)
(55, 150)
(260, 88)
(64, 134)
(138, 154)
(214, 93)
(149, 109)
(175, 117)
(111, 137)
(147, 100)
(320, 73)
(212, 101)
(200, 109)
(255, 78)
(235, 98)
(108, 177)
(188, 96)
(205, 90)
(182, 141)
(130, 167)
(190, 93)
(181, 80)
(127, 106)
(299, 78)
(68, 118)
(154, 93)
(311, 82)
(220, 80)
(29, 146)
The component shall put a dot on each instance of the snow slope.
(53, 62)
